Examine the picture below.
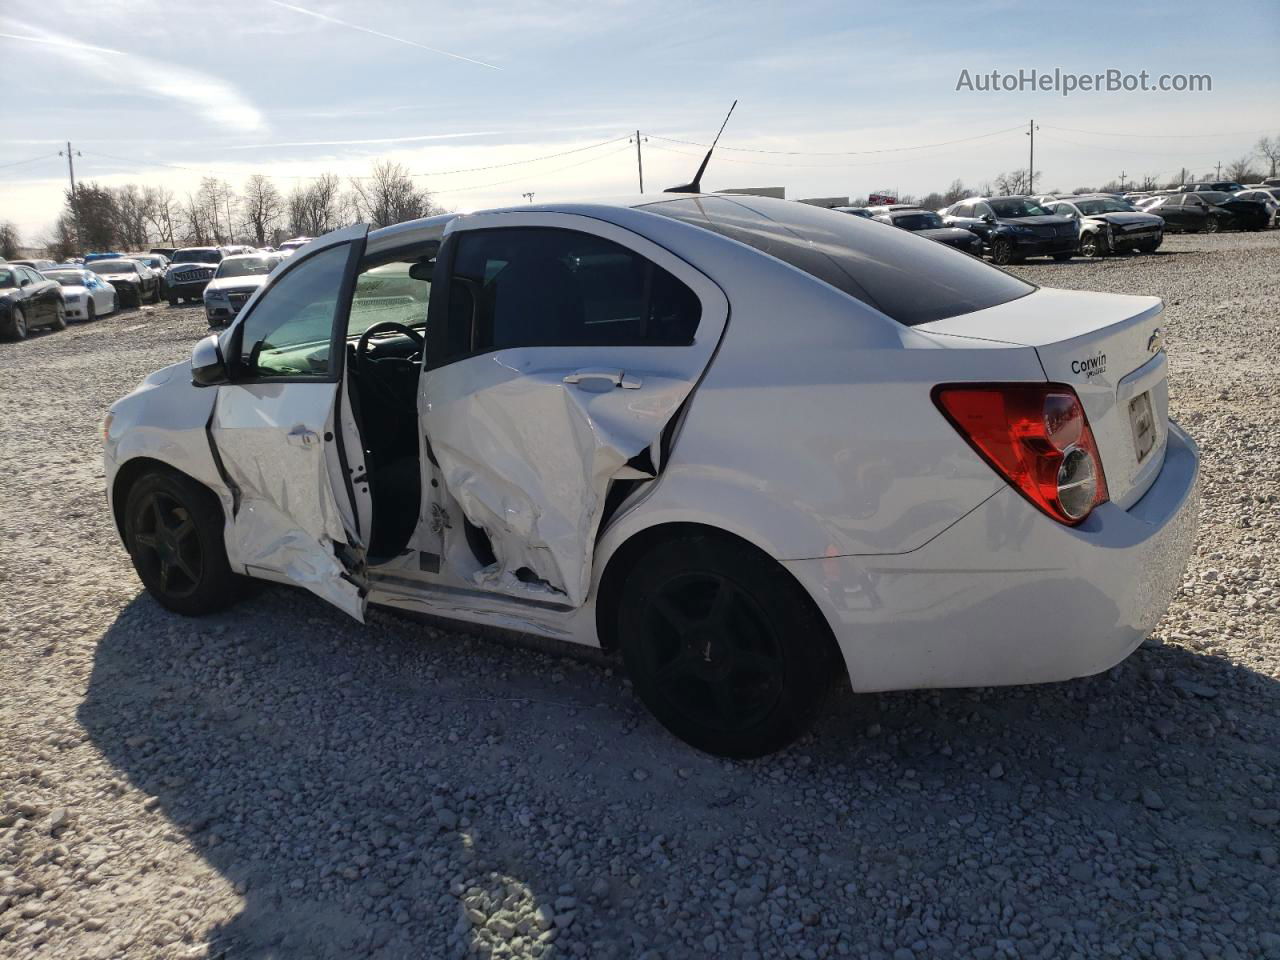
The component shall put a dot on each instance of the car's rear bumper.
(1009, 596)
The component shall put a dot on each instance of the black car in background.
(1210, 212)
(166, 252)
(1014, 228)
(28, 300)
(926, 223)
(190, 270)
(1110, 225)
(1211, 186)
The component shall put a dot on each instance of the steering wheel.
(387, 326)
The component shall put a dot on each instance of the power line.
(842, 153)
(16, 163)
(497, 183)
(516, 163)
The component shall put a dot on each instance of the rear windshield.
(911, 279)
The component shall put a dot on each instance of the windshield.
(67, 278)
(197, 256)
(1109, 205)
(919, 221)
(248, 267)
(910, 279)
(388, 293)
(1017, 207)
(113, 266)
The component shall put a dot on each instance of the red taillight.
(1036, 436)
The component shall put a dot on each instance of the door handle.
(618, 378)
(302, 437)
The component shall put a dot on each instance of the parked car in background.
(135, 282)
(926, 223)
(289, 246)
(189, 273)
(34, 264)
(85, 294)
(924, 477)
(90, 257)
(1271, 181)
(237, 279)
(1108, 225)
(1014, 228)
(28, 299)
(166, 252)
(1211, 186)
(1242, 214)
(863, 212)
(1269, 197)
(1187, 213)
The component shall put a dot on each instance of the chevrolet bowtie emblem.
(1156, 343)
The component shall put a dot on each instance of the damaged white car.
(751, 444)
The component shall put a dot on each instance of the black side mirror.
(208, 368)
(988, 218)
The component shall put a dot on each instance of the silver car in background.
(236, 280)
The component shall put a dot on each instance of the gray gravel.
(278, 782)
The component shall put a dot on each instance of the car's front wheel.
(1001, 251)
(173, 531)
(59, 317)
(90, 311)
(722, 645)
(1091, 245)
(1212, 225)
(18, 324)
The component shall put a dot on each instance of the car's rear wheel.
(173, 531)
(59, 317)
(722, 645)
(18, 324)
(1212, 225)
(1001, 251)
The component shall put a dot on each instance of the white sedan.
(750, 444)
(86, 294)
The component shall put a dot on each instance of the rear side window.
(542, 286)
(911, 279)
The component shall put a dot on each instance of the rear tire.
(725, 649)
(173, 531)
(1001, 251)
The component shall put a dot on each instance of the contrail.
(377, 33)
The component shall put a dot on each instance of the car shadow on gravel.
(389, 790)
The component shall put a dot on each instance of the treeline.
(131, 217)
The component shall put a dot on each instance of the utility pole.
(75, 199)
(226, 196)
(1219, 175)
(639, 162)
(1031, 163)
(1122, 181)
(528, 196)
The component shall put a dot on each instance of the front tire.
(173, 531)
(723, 646)
(1001, 251)
(90, 312)
(18, 324)
(1091, 245)
(1212, 225)
(173, 301)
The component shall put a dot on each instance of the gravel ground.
(278, 782)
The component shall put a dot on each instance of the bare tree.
(955, 193)
(195, 230)
(318, 207)
(390, 196)
(1269, 149)
(262, 207)
(160, 209)
(8, 240)
(1015, 182)
(1149, 181)
(60, 242)
(1241, 170)
(131, 216)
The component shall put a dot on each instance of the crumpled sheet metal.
(529, 460)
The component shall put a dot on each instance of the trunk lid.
(1109, 349)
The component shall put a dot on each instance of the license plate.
(1144, 425)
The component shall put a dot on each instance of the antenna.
(695, 185)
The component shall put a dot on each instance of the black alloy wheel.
(1212, 225)
(173, 530)
(723, 646)
(1001, 251)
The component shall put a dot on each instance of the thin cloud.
(216, 100)
(377, 33)
(347, 143)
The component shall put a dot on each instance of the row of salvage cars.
(50, 296)
(1012, 229)
(751, 445)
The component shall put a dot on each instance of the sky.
(493, 99)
